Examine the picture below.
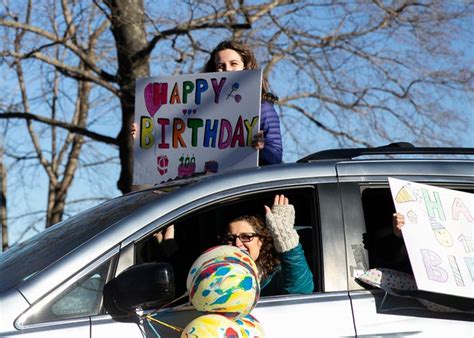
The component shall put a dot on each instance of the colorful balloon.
(224, 279)
(220, 253)
(250, 327)
(212, 325)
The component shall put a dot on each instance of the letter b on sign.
(432, 260)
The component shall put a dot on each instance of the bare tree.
(3, 200)
(61, 165)
(383, 76)
(351, 73)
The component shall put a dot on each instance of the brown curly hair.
(248, 58)
(268, 257)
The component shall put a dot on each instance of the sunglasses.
(244, 237)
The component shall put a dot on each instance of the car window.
(384, 249)
(388, 258)
(82, 298)
(26, 259)
(199, 231)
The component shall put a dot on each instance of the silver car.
(52, 285)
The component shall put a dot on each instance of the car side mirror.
(145, 286)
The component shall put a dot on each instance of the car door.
(319, 223)
(367, 218)
(68, 310)
(102, 324)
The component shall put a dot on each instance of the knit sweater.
(270, 124)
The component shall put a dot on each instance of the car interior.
(382, 246)
(201, 229)
(379, 240)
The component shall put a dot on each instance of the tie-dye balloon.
(250, 327)
(224, 279)
(212, 325)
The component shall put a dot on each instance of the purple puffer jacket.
(270, 124)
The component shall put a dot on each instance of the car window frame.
(226, 197)
(20, 322)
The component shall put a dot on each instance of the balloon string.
(154, 330)
(173, 301)
(178, 329)
(166, 308)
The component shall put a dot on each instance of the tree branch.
(72, 128)
(61, 41)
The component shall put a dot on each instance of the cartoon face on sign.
(443, 237)
(441, 234)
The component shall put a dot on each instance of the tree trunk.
(128, 28)
(58, 192)
(3, 201)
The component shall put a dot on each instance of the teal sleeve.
(295, 272)
(293, 276)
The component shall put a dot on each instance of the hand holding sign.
(398, 222)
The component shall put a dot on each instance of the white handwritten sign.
(438, 234)
(200, 123)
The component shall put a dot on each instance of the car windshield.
(26, 259)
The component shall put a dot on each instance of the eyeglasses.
(244, 237)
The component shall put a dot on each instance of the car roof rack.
(392, 148)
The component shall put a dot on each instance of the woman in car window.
(274, 247)
(273, 244)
